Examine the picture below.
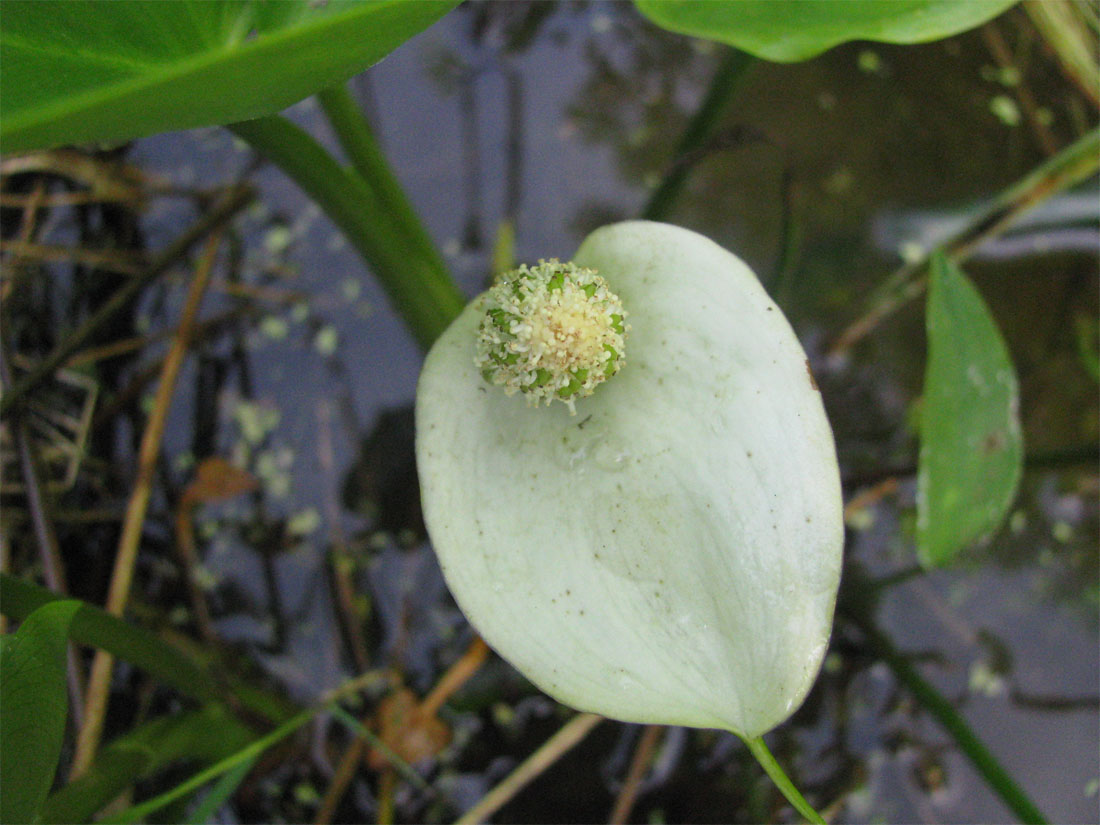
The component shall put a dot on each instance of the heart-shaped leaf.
(786, 31)
(76, 72)
(671, 552)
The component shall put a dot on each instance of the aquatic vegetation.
(628, 476)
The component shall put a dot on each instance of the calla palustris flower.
(664, 545)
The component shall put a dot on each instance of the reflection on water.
(556, 119)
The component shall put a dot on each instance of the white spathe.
(671, 553)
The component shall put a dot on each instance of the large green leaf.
(93, 626)
(790, 30)
(34, 705)
(112, 71)
(971, 452)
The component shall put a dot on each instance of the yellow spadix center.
(553, 332)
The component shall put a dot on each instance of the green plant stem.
(764, 756)
(246, 754)
(699, 130)
(1069, 167)
(933, 701)
(423, 295)
(408, 773)
(1064, 29)
(357, 138)
(204, 735)
(222, 790)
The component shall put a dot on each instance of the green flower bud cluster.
(553, 332)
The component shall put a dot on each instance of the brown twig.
(99, 683)
(215, 479)
(230, 203)
(136, 343)
(275, 295)
(571, 733)
(109, 260)
(46, 539)
(26, 233)
(338, 786)
(643, 755)
(871, 497)
(107, 180)
(57, 199)
(1072, 165)
(341, 561)
(456, 676)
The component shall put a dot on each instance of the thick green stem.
(933, 701)
(771, 767)
(359, 143)
(420, 289)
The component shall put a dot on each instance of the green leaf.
(790, 30)
(35, 704)
(95, 627)
(77, 72)
(971, 453)
(165, 662)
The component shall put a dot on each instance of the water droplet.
(571, 452)
(609, 454)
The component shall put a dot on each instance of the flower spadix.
(670, 553)
(554, 332)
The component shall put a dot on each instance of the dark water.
(567, 124)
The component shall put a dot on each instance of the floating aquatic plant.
(665, 545)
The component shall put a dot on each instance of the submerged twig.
(643, 754)
(998, 779)
(341, 562)
(230, 203)
(215, 479)
(571, 733)
(109, 260)
(46, 539)
(122, 575)
(699, 131)
(337, 787)
(394, 758)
